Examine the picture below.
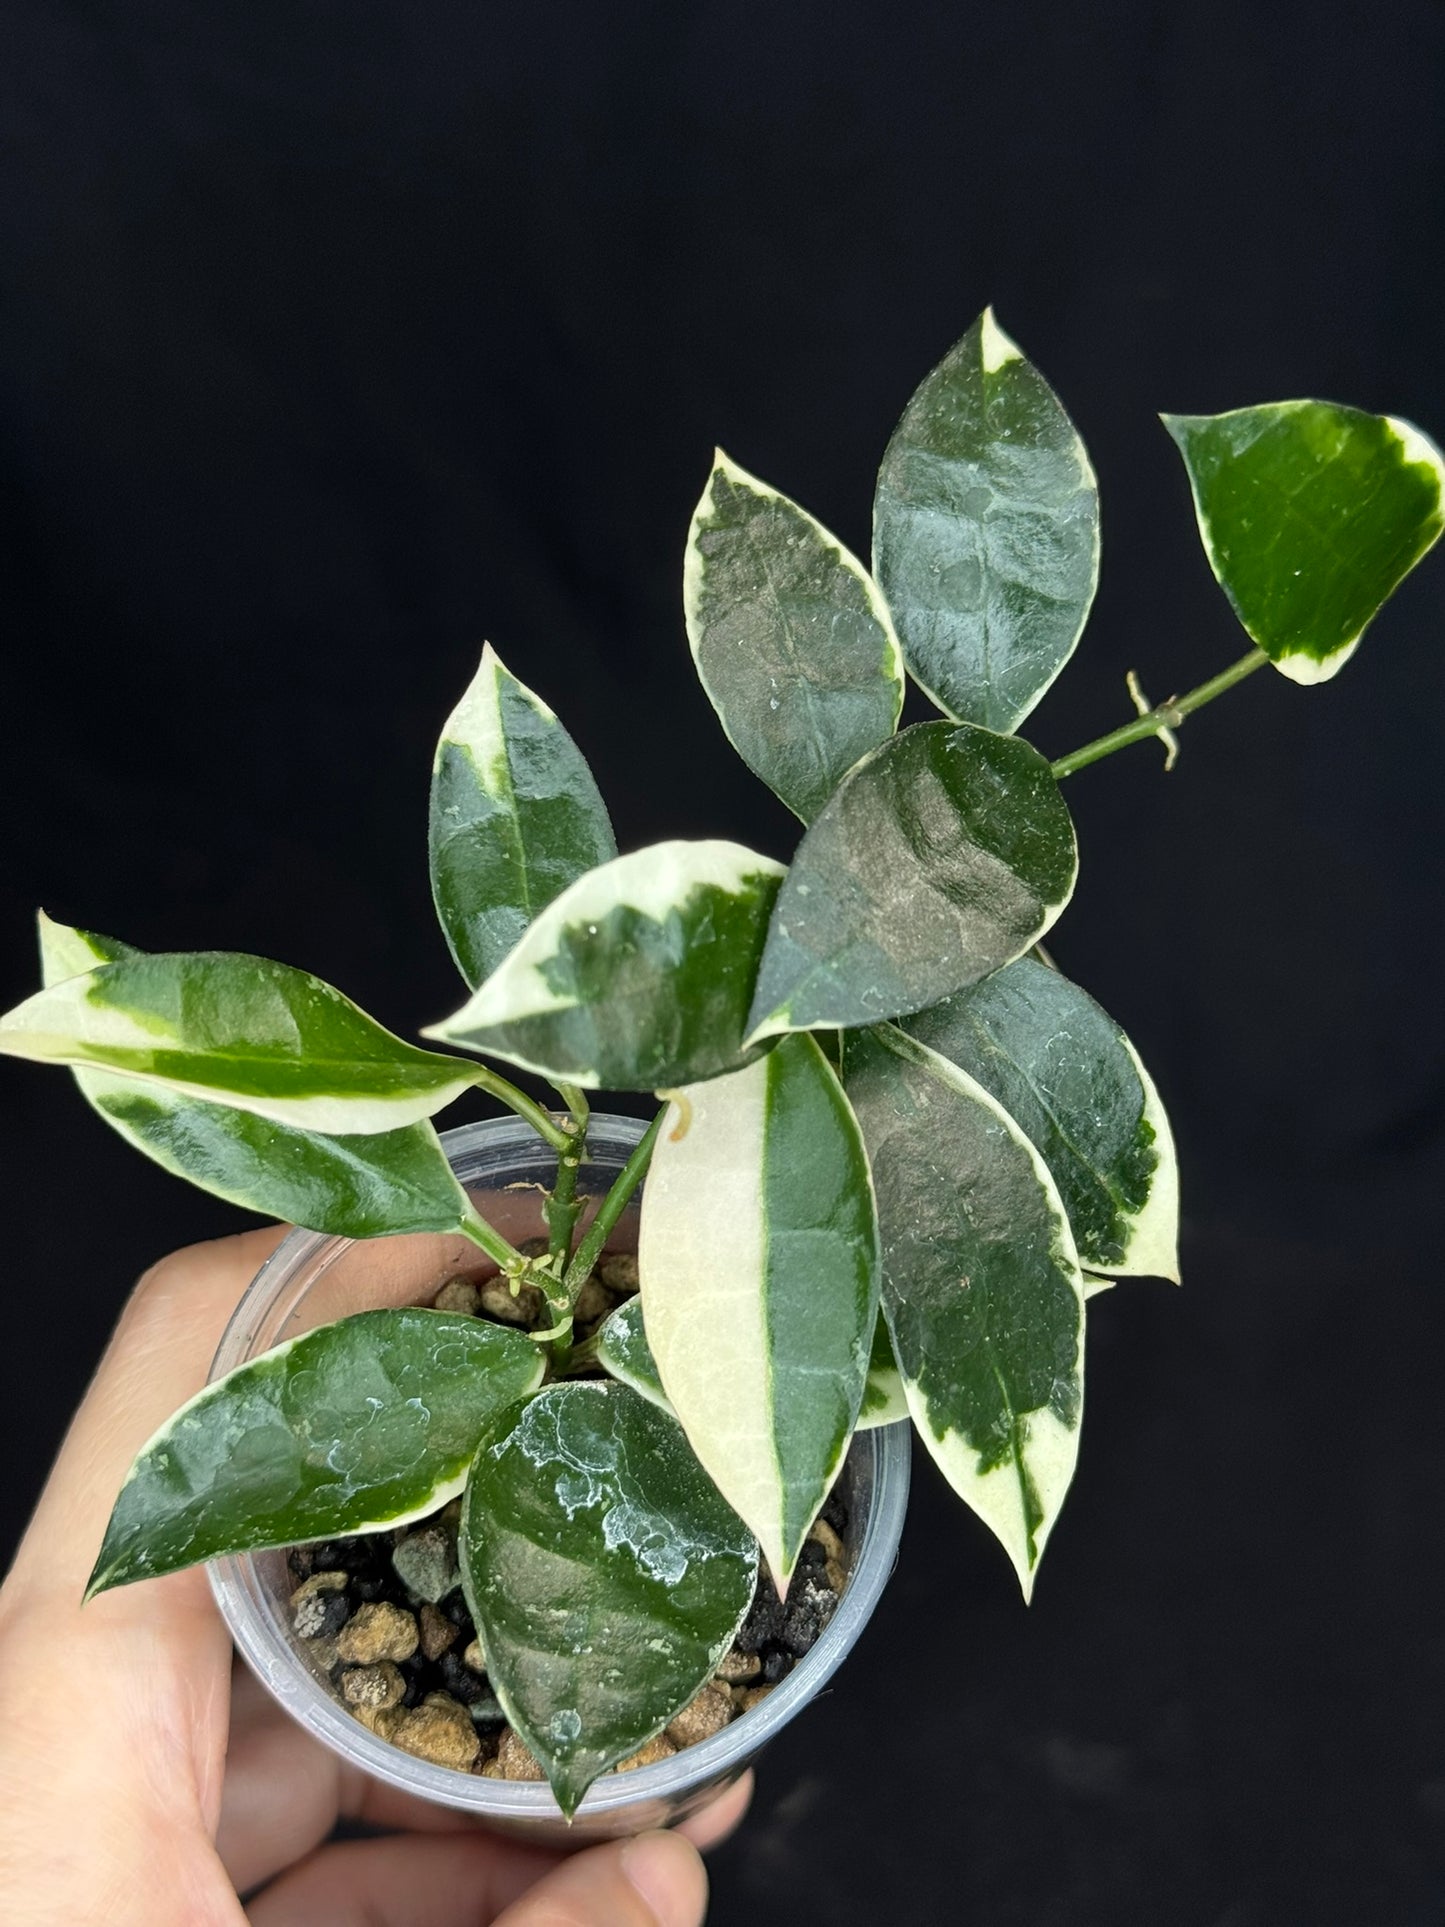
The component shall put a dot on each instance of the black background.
(340, 337)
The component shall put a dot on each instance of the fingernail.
(667, 1871)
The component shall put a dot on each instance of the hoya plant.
(896, 1150)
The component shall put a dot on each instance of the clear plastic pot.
(312, 1280)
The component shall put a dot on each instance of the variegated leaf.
(369, 1422)
(986, 532)
(942, 856)
(515, 817)
(1311, 516)
(237, 1030)
(606, 1575)
(1073, 1083)
(623, 1351)
(350, 1187)
(884, 1399)
(792, 642)
(981, 1286)
(758, 1255)
(637, 977)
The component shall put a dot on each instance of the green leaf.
(981, 1286)
(515, 818)
(1311, 516)
(623, 1350)
(637, 977)
(986, 532)
(241, 1031)
(1073, 1083)
(884, 1399)
(758, 1254)
(941, 857)
(350, 1187)
(370, 1422)
(606, 1575)
(792, 641)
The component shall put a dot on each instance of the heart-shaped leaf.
(515, 817)
(1311, 516)
(793, 643)
(369, 1422)
(941, 857)
(981, 1286)
(758, 1254)
(241, 1031)
(1073, 1083)
(884, 1399)
(637, 977)
(986, 532)
(351, 1187)
(623, 1350)
(606, 1575)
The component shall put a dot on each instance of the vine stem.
(612, 1208)
(531, 1112)
(1163, 716)
(488, 1239)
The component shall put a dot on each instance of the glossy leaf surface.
(758, 1253)
(606, 1575)
(368, 1422)
(941, 857)
(986, 532)
(1311, 516)
(792, 642)
(351, 1187)
(623, 1351)
(237, 1030)
(636, 978)
(981, 1287)
(515, 817)
(1073, 1083)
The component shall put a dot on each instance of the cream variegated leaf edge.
(1053, 1446)
(703, 1262)
(653, 882)
(64, 1023)
(693, 573)
(1153, 1247)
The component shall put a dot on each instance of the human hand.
(120, 1801)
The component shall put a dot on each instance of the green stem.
(1163, 716)
(612, 1208)
(561, 1210)
(542, 1122)
(475, 1227)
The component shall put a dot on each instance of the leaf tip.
(996, 349)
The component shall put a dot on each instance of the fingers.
(466, 1880)
(712, 1825)
(159, 1356)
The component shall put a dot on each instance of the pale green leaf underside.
(606, 1574)
(623, 1351)
(1311, 514)
(637, 977)
(792, 642)
(240, 1031)
(1073, 1083)
(941, 857)
(515, 818)
(758, 1255)
(981, 1286)
(350, 1187)
(986, 532)
(365, 1423)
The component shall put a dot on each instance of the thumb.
(656, 1880)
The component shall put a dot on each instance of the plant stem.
(475, 1227)
(1163, 716)
(612, 1208)
(531, 1112)
(560, 1211)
